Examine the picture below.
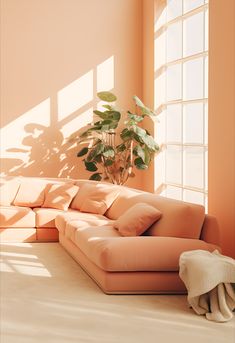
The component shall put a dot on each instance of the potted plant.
(113, 156)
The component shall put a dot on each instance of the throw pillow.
(137, 219)
(95, 198)
(8, 191)
(59, 196)
(30, 194)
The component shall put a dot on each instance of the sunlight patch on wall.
(14, 135)
(75, 95)
(105, 75)
(78, 123)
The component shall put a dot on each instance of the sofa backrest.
(179, 219)
(9, 186)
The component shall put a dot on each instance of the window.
(181, 99)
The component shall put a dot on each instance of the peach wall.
(222, 119)
(55, 56)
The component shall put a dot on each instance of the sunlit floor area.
(47, 297)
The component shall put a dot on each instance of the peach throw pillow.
(95, 198)
(137, 219)
(30, 194)
(8, 191)
(59, 196)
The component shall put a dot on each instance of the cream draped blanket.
(208, 278)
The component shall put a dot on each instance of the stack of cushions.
(85, 198)
(137, 219)
(41, 194)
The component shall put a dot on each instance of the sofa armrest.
(210, 230)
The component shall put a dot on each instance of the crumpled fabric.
(210, 280)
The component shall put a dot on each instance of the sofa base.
(125, 282)
(28, 235)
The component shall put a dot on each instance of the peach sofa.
(98, 233)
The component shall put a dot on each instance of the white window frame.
(160, 160)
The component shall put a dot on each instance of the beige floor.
(46, 297)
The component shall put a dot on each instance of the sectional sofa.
(128, 241)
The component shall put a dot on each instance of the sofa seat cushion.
(16, 216)
(111, 252)
(63, 218)
(74, 225)
(179, 219)
(45, 217)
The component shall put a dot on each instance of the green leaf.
(137, 139)
(109, 107)
(145, 110)
(113, 115)
(150, 143)
(138, 101)
(121, 147)
(98, 158)
(100, 114)
(90, 166)
(108, 163)
(82, 152)
(139, 131)
(108, 152)
(139, 163)
(96, 177)
(135, 117)
(107, 96)
(94, 152)
(126, 135)
(138, 151)
(147, 157)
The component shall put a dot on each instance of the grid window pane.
(174, 41)
(173, 123)
(181, 84)
(206, 29)
(174, 9)
(160, 128)
(194, 197)
(206, 77)
(206, 170)
(159, 90)
(206, 124)
(194, 167)
(174, 82)
(160, 51)
(193, 34)
(189, 5)
(193, 123)
(173, 192)
(193, 81)
(174, 164)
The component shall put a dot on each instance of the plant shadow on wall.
(111, 156)
(47, 150)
